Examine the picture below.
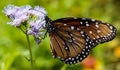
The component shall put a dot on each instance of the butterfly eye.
(73, 38)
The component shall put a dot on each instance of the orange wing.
(73, 38)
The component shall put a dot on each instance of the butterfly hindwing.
(70, 47)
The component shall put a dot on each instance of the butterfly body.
(73, 38)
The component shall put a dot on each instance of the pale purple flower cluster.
(23, 14)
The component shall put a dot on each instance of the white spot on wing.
(72, 27)
(81, 22)
(108, 34)
(103, 22)
(71, 34)
(83, 18)
(78, 28)
(90, 32)
(87, 24)
(74, 18)
(65, 24)
(69, 58)
(81, 32)
(111, 27)
(92, 20)
(98, 37)
(66, 48)
(98, 31)
(108, 24)
(111, 31)
(80, 58)
(97, 25)
(74, 39)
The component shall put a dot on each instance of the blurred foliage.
(13, 45)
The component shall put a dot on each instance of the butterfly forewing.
(73, 38)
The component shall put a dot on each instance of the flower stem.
(24, 30)
(30, 51)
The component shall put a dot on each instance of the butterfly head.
(49, 25)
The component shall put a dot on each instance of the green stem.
(30, 51)
(24, 30)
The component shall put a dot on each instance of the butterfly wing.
(73, 38)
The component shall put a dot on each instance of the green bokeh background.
(13, 44)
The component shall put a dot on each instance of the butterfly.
(71, 39)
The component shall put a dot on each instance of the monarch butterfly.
(73, 38)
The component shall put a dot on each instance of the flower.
(34, 18)
(40, 9)
(17, 14)
(10, 10)
(91, 63)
